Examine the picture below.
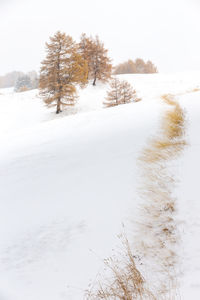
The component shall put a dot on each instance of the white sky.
(164, 31)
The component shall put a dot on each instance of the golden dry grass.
(158, 210)
(138, 99)
(125, 281)
(157, 229)
(23, 89)
(197, 89)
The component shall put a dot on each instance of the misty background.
(166, 32)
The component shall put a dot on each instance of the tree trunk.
(58, 110)
(94, 82)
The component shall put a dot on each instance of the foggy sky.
(164, 31)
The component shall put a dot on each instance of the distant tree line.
(135, 67)
(19, 80)
(9, 79)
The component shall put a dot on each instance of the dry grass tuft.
(138, 99)
(169, 99)
(197, 89)
(23, 89)
(125, 281)
(173, 124)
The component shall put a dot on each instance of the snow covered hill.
(69, 181)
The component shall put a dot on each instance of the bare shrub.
(120, 92)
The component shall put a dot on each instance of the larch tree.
(128, 94)
(140, 65)
(150, 68)
(113, 97)
(99, 64)
(61, 70)
(85, 46)
(120, 92)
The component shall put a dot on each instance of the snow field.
(68, 182)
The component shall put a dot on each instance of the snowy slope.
(188, 194)
(68, 182)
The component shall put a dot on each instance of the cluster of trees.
(120, 92)
(68, 64)
(13, 79)
(27, 82)
(9, 79)
(136, 67)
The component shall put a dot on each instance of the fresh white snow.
(69, 181)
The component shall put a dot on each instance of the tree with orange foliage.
(99, 64)
(61, 70)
